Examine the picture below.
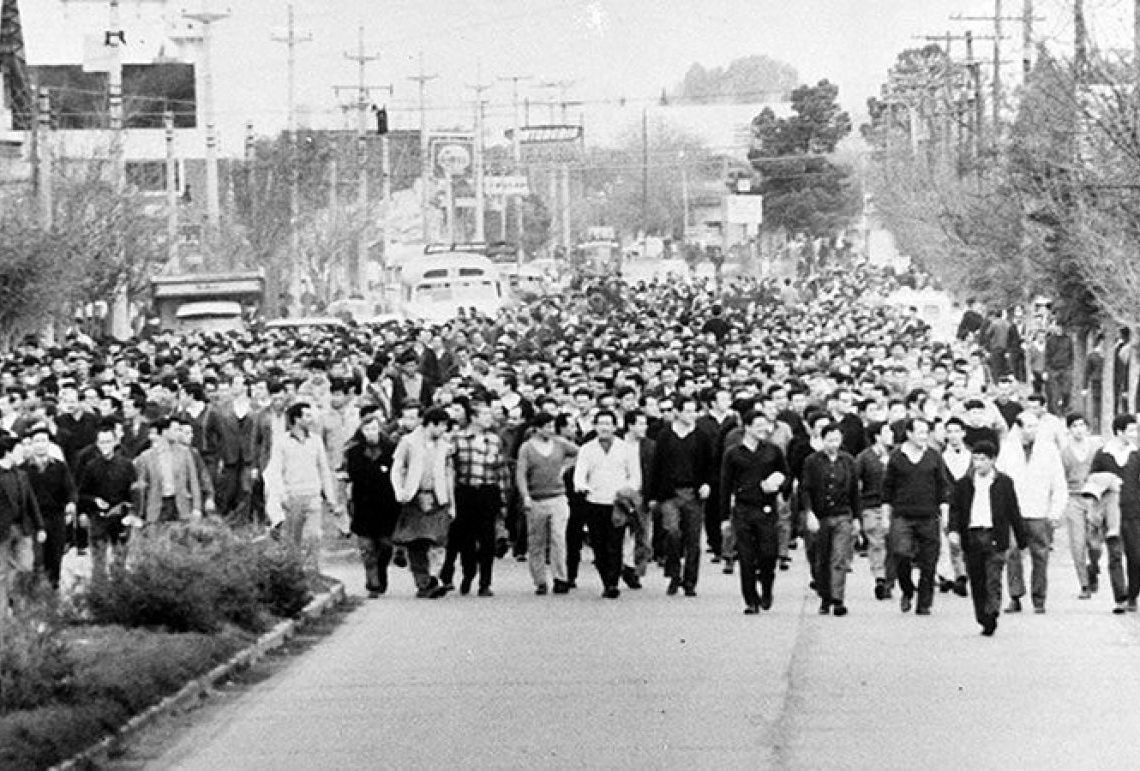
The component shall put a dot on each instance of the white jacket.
(600, 475)
(1042, 490)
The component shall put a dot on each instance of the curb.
(200, 687)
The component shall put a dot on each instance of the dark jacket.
(18, 507)
(1003, 508)
(229, 439)
(820, 498)
(670, 456)
(53, 486)
(374, 507)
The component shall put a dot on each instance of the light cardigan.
(413, 454)
(1042, 490)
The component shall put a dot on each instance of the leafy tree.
(747, 80)
(804, 191)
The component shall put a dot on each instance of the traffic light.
(381, 120)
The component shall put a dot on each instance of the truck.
(211, 302)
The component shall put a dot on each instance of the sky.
(604, 50)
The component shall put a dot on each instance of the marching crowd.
(745, 421)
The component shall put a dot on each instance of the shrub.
(198, 578)
(34, 664)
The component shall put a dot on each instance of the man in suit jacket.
(410, 383)
(229, 444)
(167, 486)
(983, 511)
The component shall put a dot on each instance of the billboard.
(452, 155)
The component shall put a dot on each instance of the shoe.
(447, 586)
(888, 593)
(520, 558)
(540, 589)
(1120, 609)
(1039, 609)
(824, 607)
(880, 589)
(674, 585)
(839, 610)
(766, 600)
(502, 546)
(1014, 605)
(465, 587)
(400, 559)
(373, 593)
(429, 590)
(922, 611)
(727, 569)
(692, 592)
(629, 575)
(752, 610)
(944, 585)
(561, 587)
(716, 559)
(485, 591)
(1085, 594)
(83, 552)
(611, 593)
(1132, 606)
(989, 626)
(571, 584)
(904, 603)
(439, 591)
(961, 587)
(785, 563)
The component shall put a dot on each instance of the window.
(471, 271)
(149, 176)
(438, 273)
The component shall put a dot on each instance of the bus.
(436, 286)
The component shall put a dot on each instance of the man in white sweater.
(606, 466)
(1034, 463)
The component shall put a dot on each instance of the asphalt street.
(652, 681)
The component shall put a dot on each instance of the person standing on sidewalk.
(916, 503)
(983, 511)
(753, 475)
(296, 478)
(1034, 465)
(606, 466)
(481, 488)
(543, 459)
(870, 466)
(1086, 532)
(831, 497)
(423, 480)
(681, 470)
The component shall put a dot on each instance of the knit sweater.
(541, 475)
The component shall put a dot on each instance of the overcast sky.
(608, 49)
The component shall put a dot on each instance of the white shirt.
(602, 474)
(981, 513)
(957, 462)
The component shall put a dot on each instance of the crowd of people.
(684, 422)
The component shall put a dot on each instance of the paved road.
(650, 681)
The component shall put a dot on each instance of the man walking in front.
(830, 490)
(983, 511)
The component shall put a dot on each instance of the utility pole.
(363, 100)
(425, 150)
(645, 170)
(291, 38)
(171, 194)
(43, 159)
(1026, 18)
(480, 213)
(516, 150)
(1026, 38)
(207, 18)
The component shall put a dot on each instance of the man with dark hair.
(717, 420)
(54, 488)
(983, 511)
(916, 501)
(870, 467)
(167, 488)
(752, 476)
(1120, 458)
(229, 444)
(830, 490)
(105, 485)
(20, 521)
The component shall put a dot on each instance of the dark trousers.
(232, 494)
(472, 533)
(605, 540)
(681, 518)
(833, 545)
(757, 547)
(575, 534)
(1129, 550)
(713, 520)
(984, 564)
(419, 563)
(1058, 388)
(50, 554)
(375, 554)
(516, 526)
(915, 543)
(1040, 536)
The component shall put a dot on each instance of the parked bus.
(436, 286)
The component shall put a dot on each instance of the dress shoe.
(373, 594)
(520, 558)
(571, 584)
(904, 603)
(961, 586)
(766, 600)
(1039, 609)
(447, 586)
(465, 587)
(485, 591)
(400, 558)
(989, 626)
(629, 575)
(727, 568)
(674, 585)
(716, 559)
(1132, 606)
(1014, 605)
(922, 611)
(1085, 594)
(785, 563)
(438, 592)
(611, 593)
(880, 589)
(690, 591)
(1120, 609)
(540, 589)
(944, 585)
(428, 591)
(824, 607)
(561, 587)
(752, 610)
(839, 609)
